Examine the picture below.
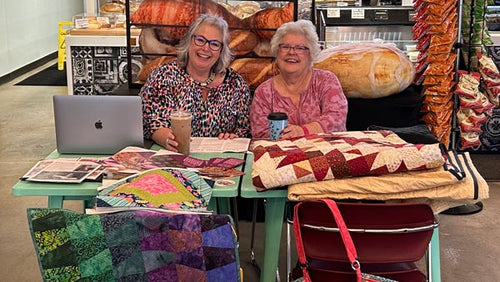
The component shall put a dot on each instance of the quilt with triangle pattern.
(134, 246)
(338, 155)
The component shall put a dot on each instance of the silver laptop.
(97, 124)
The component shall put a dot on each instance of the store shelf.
(105, 32)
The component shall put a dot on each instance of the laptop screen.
(97, 124)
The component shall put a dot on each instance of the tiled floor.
(469, 244)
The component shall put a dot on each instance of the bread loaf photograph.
(254, 70)
(368, 70)
(270, 18)
(180, 13)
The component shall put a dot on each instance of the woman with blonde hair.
(199, 81)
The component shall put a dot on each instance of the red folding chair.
(389, 239)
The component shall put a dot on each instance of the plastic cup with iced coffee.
(180, 123)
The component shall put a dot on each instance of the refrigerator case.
(340, 22)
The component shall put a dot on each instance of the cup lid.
(277, 116)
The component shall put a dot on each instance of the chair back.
(389, 239)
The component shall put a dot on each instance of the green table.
(275, 210)
(57, 193)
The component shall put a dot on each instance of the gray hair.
(303, 27)
(226, 56)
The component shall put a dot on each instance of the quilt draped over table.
(338, 155)
(134, 246)
(437, 187)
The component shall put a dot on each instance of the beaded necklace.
(209, 80)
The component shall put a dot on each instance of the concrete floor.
(469, 244)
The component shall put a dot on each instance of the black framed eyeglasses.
(200, 41)
(299, 49)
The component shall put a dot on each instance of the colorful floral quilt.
(134, 246)
(167, 188)
(338, 155)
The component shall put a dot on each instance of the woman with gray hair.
(312, 98)
(200, 82)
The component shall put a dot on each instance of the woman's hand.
(171, 144)
(291, 131)
(166, 138)
(227, 136)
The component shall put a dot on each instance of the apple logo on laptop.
(98, 124)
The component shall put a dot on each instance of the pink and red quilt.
(338, 155)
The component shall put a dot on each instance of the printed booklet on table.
(216, 145)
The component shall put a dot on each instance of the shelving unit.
(482, 35)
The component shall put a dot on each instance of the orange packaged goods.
(436, 79)
(437, 107)
(368, 70)
(444, 87)
(420, 12)
(438, 118)
(446, 25)
(442, 134)
(439, 2)
(419, 5)
(441, 57)
(419, 30)
(444, 38)
(440, 9)
(437, 98)
(438, 68)
(423, 43)
(438, 18)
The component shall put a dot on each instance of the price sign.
(358, 14)
(332, 13)
(406, 2)
(81, 23)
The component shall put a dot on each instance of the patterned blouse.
(323, 101)
(169, 87)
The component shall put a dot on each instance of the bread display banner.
(368, 70)
(251, 28)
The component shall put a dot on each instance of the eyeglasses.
(200, 41)
(299, 49)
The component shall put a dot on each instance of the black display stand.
(465, 209)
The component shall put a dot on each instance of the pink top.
(323, 101)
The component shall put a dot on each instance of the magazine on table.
(63, 170)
